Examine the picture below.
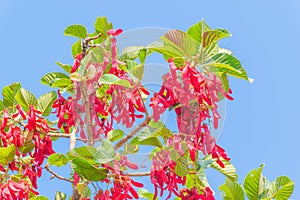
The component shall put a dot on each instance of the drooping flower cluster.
(31, 146)
(123, 188)
(194, 96)
(15, 191)
(118, 102)
(163, 175)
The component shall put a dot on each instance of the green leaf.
(232, 190)
(26, 99)
(212, 36)
(229, 170)
(158, 124)
(87, 192)
(9, 94)
(131, 52)
(131, 148)
(196, 31)
(39, 198)
(193, 180)
(27, 146)
(225, 83)
(115, 135)
(76, 49)
(160, 47)
(60, 196)
(151, 141)
(87, 170)
(51, 77)
(83, 190)
(180, 43)
(65, 67)
(253, 184)
(104, 152)
(282, 188)
(142, 55)
(76, 30)
(223, 62)
(57, 159)
(62, 83)
(44, 103)
(135, 69)
(181, 168)
(84, 152)
(80, 188)
(102, 26)
(150, 137)
(7, 154)
(202, 176)
(112, 79)
(143, 193)
(164, 132)
(1, 105)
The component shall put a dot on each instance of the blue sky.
(262, 123)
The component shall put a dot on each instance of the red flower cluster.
(122, 189)
(192, 194)
(15, 190)
(194, 97)
(126, 101)
(64, 112)
(32, 140)
(163, 174)
(166, 179)
(118, 103)
(218, 152)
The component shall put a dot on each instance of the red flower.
(125, 162)
(218, 152)
(76, 179)
(114, 32)
(207, 194)
(77, 61)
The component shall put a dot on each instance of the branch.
(68, 135)
(132, 133)
(139, 174)
(93, 38)
(73, 138)
(56, 175)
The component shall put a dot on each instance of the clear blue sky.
(262, 123)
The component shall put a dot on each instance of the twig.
(139, 174)
(93, 38)
(56, 175)
(132, 133)
(68, 135)
(85, 43)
